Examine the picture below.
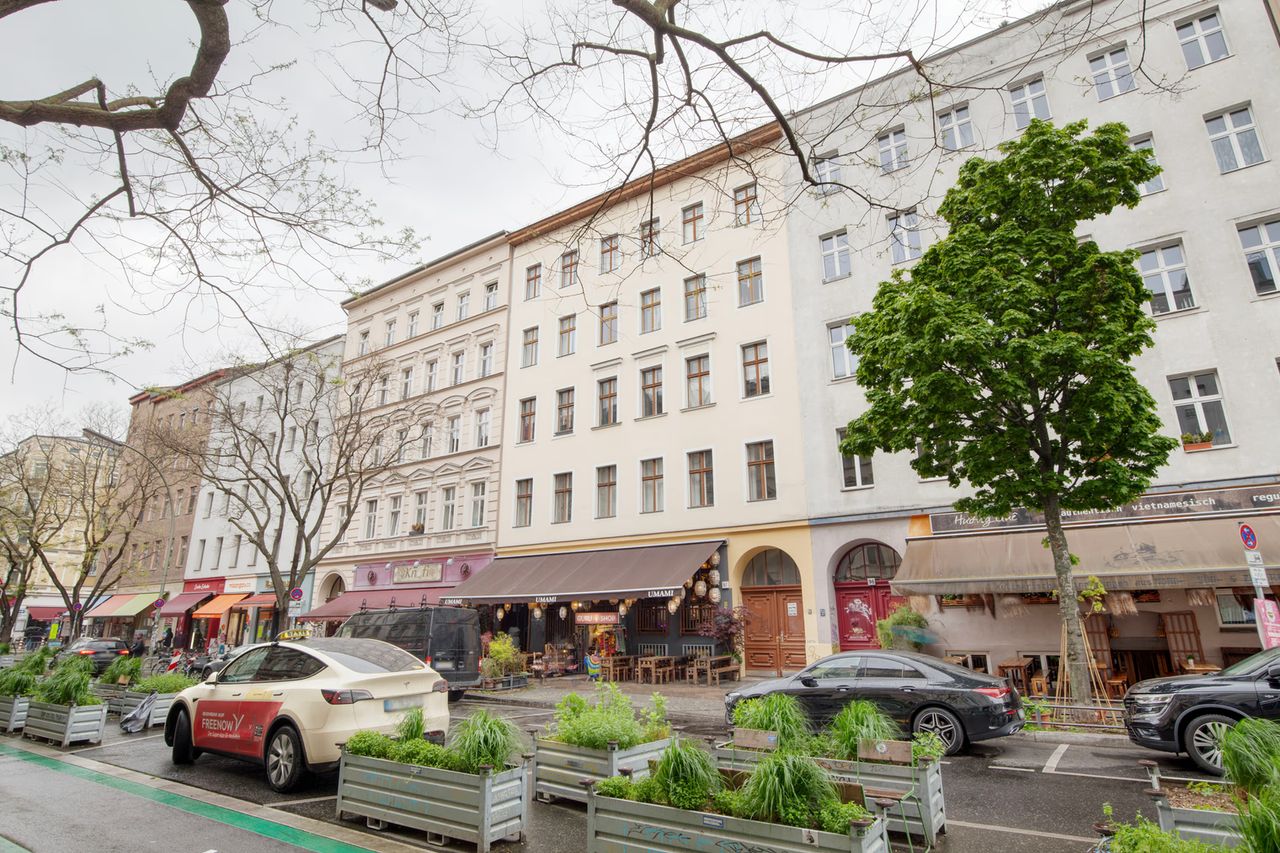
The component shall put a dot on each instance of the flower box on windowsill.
(960, 600)
(1196, 446)
(416, 530)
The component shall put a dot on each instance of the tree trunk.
(1078, 665)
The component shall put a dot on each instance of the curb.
(1076, 738)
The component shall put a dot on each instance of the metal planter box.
(130, 699)
(921, 811)
(506, 682)
(107, 692)
(7, 660)
(623, 826)
(13, 713)
(480, 809)
(1211, 827)
(560, 768)
(66, 724)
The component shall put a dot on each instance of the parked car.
(446, 638)
(101, 650)
(219, 662)
(290, 706)
(921, 693)
(1190, 713)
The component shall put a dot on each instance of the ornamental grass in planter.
(166, 686)
(17, 683)
(117, 677)
(63, 709)
(468, 790)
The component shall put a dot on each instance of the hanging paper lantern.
(714, 594)
(680, 594)
(576, 605)
(715, 559)
(622, 610)
(673, 605)
(614, 602)
(499, 613)
(713, 577)
(700, 588)
(537, 612)
(688, 583)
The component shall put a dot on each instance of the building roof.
(454, 255)
(166, 391)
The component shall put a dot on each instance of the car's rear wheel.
(456, 695)
(183, 752)
(944, 724)
(285, 765)
(1202, 740)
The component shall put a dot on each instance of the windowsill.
(933, 479)
(1263, 297)
(906, 261)
(607, 343)
(1210, 62)
(564, 354)
(650, 511)
(702, 506)
(531, 364)
(759, 301)
(694, 240)
(756, 397)
(761, 500)
(562, 433)
(607, 426)
(1117, 95)
(1178, 312)
(695, 319)
(1262, 162)
(1211, 449)
(841, 380)
(859, 488)
(651, 331)
(837, 278)
(1153, 192)
(652, 417)
(698, 408)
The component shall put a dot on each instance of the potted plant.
(63, 709)
(786, 802)
(597, 741)
(470, 790)
(862, 746)
(503, 665)
(416, 529)
(1197, 441)
(116, 678)
(166, 686)
(17, 682)
(728, 627)
(902, 629)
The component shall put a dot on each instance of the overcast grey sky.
(450, 180)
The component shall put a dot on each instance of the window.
(608, 393)
(1234, 139)
(491, 296)
(1197, 400)
(697, 373)
(651, 485)
(606, 491)
(957, 131)
(191, 501)
(486, 359)
(610, 253)
(482, 428)
(393, 516)
(406, 383)
(208, 505)
(761, 483)
(563, 498)
(691, 223)
(413, 323)
(1029, 101)
(1202, 40)
(701, 479)
(750, 282)
(893, 150)
(1235, 607)
(448, 507)
(1111, 73)
(650, 311)
(868, 561)
(1164, 272)
(236, 542)
(835, 255)
(458, 369)
(608, 323)
(529, 348)
(391, 334)
(524, 503)
(827, 171)
(464, 305)
(200, 547)
(650, 232)
(402, 443)
(528, 413)
(695, 297)
(569, 268)
(532, 281)
(1156, 184)
(437, 315)
(362, 348)
(477, 504)
(746, 205)
(564, 411)
(1262, 254)
(420, 511)
(427, 432)
(755, 369)
(454, 425)
(370, 518)
(650, 392)
(857, 469)
(183, 544)
(431, 374)
(904, 236)
(292, 442)
(843, 362)
(568, 335)
(384, 390)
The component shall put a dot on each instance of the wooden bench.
(731, 670)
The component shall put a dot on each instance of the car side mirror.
(213, 677)
(808, 681)
(1273, 672)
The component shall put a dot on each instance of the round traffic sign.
(158, 603)
(296, 593)
(77, 606)
(1248, 537)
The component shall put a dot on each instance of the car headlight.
(730, 698)
(1150, 703)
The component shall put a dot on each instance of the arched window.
(771, 568)
(870, 560)
(336, 587)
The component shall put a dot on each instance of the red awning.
(45, 614)
(180, 604)
(262, 599)
(373, 599)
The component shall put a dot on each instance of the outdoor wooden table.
(1015, 669)
(704, 666)
(1199, 668)
(617, 667)
(651, 666)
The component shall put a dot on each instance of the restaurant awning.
(652, 571)
(135, 604)
(220, 605)
(1162, 555)
(45, 614)
(107, 606)
(180, 604)
(355, 600)
(262, 599)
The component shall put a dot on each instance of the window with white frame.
(904, 236)
(746, 204)
(529, 347)
(406, 383)
(217, 554)
(532, 281)
(1156, 184)
(695, 297)
(563, 499)
(651, 485)
(478, 502)
(491, 296)
(835, 255)
(697, 371)
(893, 150)
(482, 427)
(691, 223)
(856, 470)
(1234, 139)
(428, 433)
(1164, 272)
(650, 311)
(610, 253)
(750, 282)
(826, 170)
(1202, 39)
(413, 324)
(701, 479)
(956, 128)
(448, 507)
(1262, 253)
(458, 369)
(361, 348)
(650, 238)
(200, 549)
(486, 358)
(1197, 401)
(291, 442)
(606, 491)
(384, 390)
(568, 338)
(569, 268)
(564, 411)
(455, 434)
(420, 511)
(762, 483)
(608, 323)
(393, 516)
(237, 542)
(755, 369)
(390, 337)
(433, 366)
(1029, 101)
(843, 362)
(402, 444)
(370, 518)
(1111, 73)
(464, 305)
(437, 315)
(524, 503)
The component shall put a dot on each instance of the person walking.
(166, 642)
(139, 648)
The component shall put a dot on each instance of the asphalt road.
(1008, 795)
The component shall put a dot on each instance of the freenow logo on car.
(217, 723)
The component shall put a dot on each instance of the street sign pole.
(1262, 609)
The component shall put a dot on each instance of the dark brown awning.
(655, 571)
(1171, 554)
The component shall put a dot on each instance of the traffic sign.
(296, 593)
(1248, 537)
(1257, 569)
(159, 603)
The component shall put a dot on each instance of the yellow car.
(290, 706)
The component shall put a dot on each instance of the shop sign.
(546, 599)
(1268, 615)
(1201, 503)
(417, 573)
(594, 618)
(239, 585)
(213, 585)
(660, 593)
(451, 602)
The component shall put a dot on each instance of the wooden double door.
(858, 607)
(775, 630)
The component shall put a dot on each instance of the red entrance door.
(774, 640)
(860, 606)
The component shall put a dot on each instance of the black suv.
(101, 650)
(447, 638)
(1190, 713)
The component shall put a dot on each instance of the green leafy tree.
(1004, 358)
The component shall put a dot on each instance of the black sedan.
(102, 651)
(1191, 713)
(921, 693)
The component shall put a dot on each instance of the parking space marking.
(1013, 831)
(118, 742)
(1051, 766)
(1016, 769)
(280, 803)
